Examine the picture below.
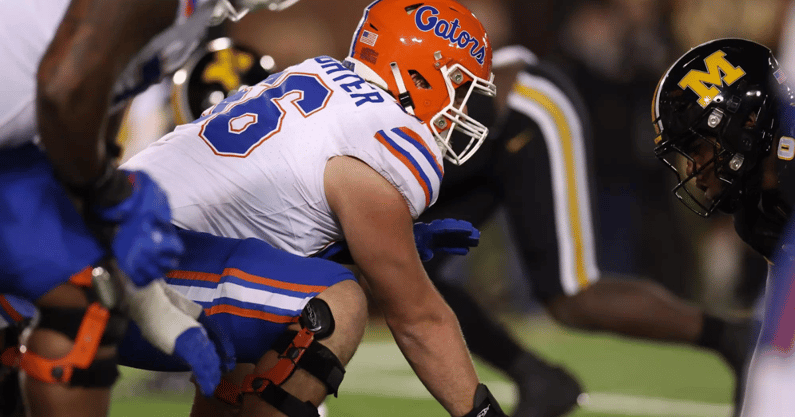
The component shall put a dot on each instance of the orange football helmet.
(422, 52)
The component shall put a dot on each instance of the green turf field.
(623, 377)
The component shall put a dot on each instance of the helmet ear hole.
(419, 80)
(752, 117)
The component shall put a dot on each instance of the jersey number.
(241, 122)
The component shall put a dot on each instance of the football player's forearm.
(436, 351)
(91, 47)
(70, 104)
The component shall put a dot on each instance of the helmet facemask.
(453, 117)
(737, 144)
(227, 10)
(723, 93)
(694, 176)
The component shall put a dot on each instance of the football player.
(541, 179)
(544, 117)
(83, 240)
(321, 152)
(724, 122)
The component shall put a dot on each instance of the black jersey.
(761, 220)
(535, 165)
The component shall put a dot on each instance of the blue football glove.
(145, 243)
(223, 345)
(177, 326)
(337, 252)
(194, 347)
(216, 334)
(445, 235)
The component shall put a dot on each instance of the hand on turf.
(171, 323)
(195, 348)
(223, 344)
(446, 235)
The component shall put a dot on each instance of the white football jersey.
(253, 165)
(26, 30)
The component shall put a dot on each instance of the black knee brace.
(298, 350)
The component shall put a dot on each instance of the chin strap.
(370, 76)
(403, 95)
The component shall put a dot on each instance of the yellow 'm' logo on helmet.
(226, 68)
(719, 71)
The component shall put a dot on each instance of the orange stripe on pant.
(234, 272)
(249, 313)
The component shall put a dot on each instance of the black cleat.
(544, 390)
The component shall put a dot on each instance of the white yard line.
(378, 369)
(621, 404)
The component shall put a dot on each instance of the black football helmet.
(211, 74)
(725, 94)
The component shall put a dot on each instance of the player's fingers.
(457, 251)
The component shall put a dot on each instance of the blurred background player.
(542, 180)
(723, 117)
(327, 151)
(70, 68)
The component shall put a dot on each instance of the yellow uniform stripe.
(571, 179)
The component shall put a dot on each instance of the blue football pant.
(43, 239)
(251, 290)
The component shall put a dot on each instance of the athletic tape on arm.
(161, 322)
(187, 306)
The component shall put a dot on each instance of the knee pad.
(317, 318)
(90, 328)
(297, 350)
